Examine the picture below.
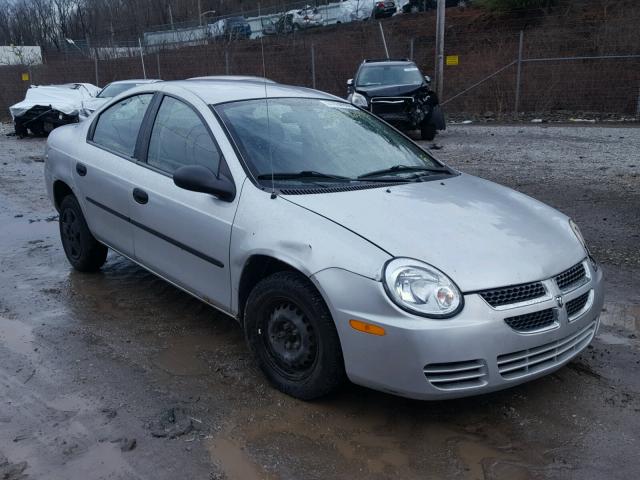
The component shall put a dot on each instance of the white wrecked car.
(47, 107)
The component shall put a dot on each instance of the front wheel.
(428, 131)
(292, 335)
(83, 251)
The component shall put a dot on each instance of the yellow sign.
(25, 77)
(452, 60)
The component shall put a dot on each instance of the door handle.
(140, 196)
(81, 168)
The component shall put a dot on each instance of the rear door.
(103, 174)
(182, 235)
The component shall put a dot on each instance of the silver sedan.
(342, 248)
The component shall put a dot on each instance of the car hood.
(479, 233)
(391, 90)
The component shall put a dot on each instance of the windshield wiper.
(301, 175)
(402, 169)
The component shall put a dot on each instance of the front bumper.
(475, 352)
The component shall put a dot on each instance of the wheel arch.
(60, 190)
(258, 267)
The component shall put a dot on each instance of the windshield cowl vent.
(336, 188)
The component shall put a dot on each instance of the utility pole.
(440, 48)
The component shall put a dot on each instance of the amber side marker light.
(367, 327)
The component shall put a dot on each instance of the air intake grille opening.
(572, 277)
(513, 294)
(574, 306)
(532, 321)
(457, 375)
(528, 362)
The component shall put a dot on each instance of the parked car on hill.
(230, 28)
(399, 93)
(294, 20)
(49, 106)
(111, 90)
(341, 247)
(414, 6)
(360, 10)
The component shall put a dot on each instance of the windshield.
(115, 89)
(318, 136)
(406, 74)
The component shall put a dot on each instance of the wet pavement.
(119, 375)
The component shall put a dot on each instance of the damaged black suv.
(397, 92)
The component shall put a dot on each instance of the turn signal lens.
(367, 327)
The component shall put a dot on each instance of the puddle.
(623, 315)
(233, 461)
(612, 339)
(16, 336)
(181, 357)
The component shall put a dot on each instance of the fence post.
(411, 49)
(226, 61)
(313, 66)
(95, 61)
(158, 63)
(638, 106)
(519, 72)
(144, 70)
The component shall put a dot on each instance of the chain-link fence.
(579, 64)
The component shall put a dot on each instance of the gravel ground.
(119, 375)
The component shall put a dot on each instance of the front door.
(182, 235)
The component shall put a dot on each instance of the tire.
(290, 332)
(428, 131)
(83, 251)
(21, 130)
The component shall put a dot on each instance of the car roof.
(214, 92)
(387, 62)
(237, 78)
(140, 81)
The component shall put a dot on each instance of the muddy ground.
(118, 375)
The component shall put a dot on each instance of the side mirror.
(350, 82)
(197, 178)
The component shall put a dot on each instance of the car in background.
(234, 78)
(414, 6)
(230, 28)
(397, 92)
(384, 9)
(354, 11)
(47, 107)
(294, 20)
(111, 90)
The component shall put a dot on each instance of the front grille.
(574, 306)
(513, 294)
(572, 277)
(528, 362)
(390, 105)
(457, 375)
(532, 321)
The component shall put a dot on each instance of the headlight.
(422, 289)
(359, 100)
(578, 234)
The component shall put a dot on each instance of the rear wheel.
(83, 251)
(292, 335)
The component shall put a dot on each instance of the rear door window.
(118, 126)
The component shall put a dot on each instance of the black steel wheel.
(292, 335)
(428, 131)
(83, 251)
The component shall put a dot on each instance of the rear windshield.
(116, 89)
